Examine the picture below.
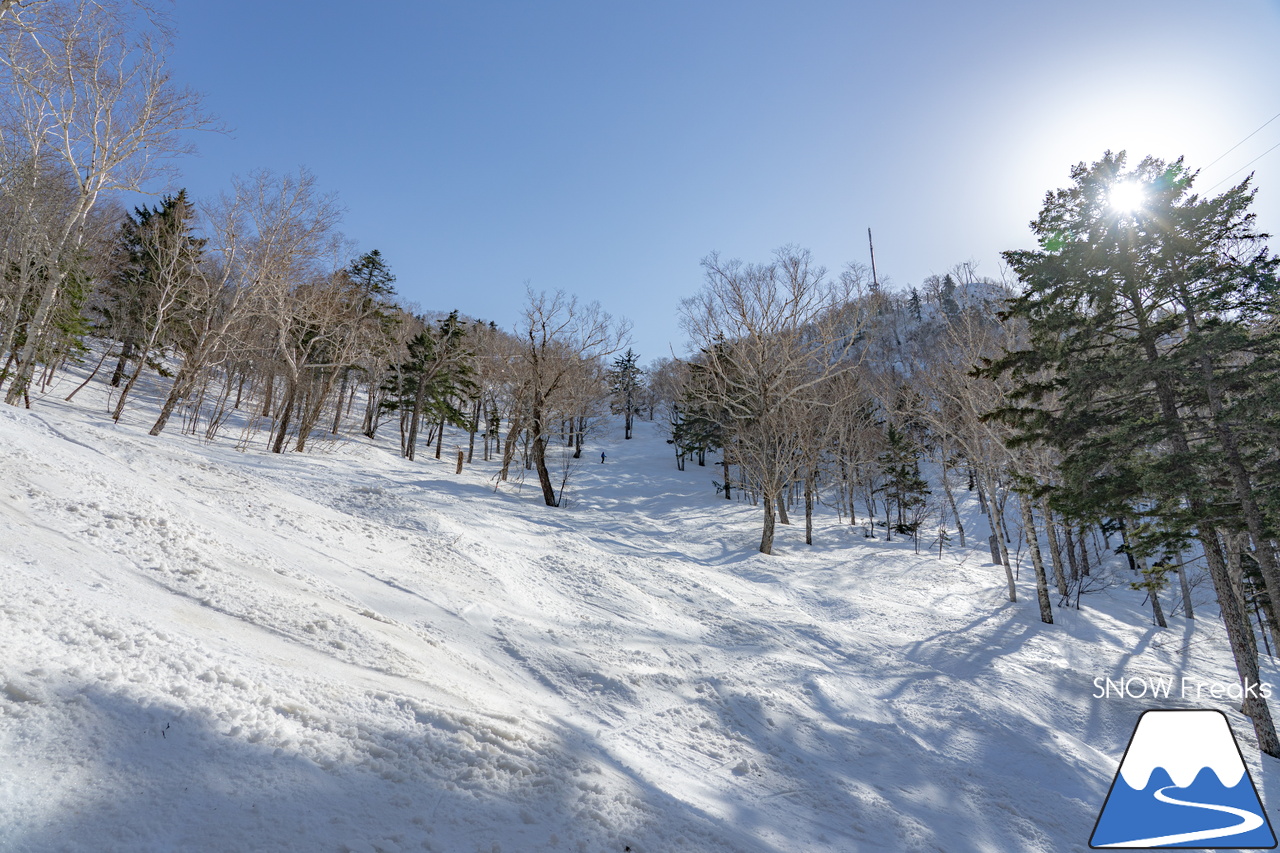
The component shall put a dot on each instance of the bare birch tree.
(85, 83)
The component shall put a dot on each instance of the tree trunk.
(724, 460)
(1156, 610)
(128, 386)
(268, 394)
(951, 503)
(370, 426)
(1186, 589)
(1124, 537)
(126, 353)
(537, 430)
(808, 508)
(286, 413)
(509, 451)
(766, 535)
(544, 476)
(1004, 551)
(176, 392)
(1240, 635)
(782, 508)
(36, 327)
(1033, 545)
(342, 395)
(1055, 552)
(440, 437)
(106, 351)
(1071, 552)
(415, 417)
(1239, 632)
(1241, 480)
(475, 426)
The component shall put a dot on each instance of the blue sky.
(604, 148)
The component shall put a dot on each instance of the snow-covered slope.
(206, 649)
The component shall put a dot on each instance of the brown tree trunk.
(415, 418)
(1071, 552)
(106, 351)
(509, 450)
(808, 507)
(285, 414)
(475, 426)
(766, 536)
(176, 392)
(126, 353)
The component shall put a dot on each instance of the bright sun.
(1127, 197)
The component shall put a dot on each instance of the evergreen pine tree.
(948, 296)
(624, 385)
(904, 489)
(1140, 322)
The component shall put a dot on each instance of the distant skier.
(601, 457)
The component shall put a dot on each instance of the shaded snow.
(206, 649)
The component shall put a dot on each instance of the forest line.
(1124, 383)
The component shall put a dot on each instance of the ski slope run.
(206, 649)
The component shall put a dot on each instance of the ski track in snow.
(206, 649)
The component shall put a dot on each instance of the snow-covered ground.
(209, 649)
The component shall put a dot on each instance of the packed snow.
(212, 648)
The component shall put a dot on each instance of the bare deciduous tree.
(557, 335)
(84, 83)
(771, 336)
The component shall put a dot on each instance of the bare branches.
(562, 345)
(84, 84)
(772, 337)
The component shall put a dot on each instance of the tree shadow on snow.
(141, 777)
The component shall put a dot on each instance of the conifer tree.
(1144, 331)
(904, 488)
(157, 255)
(624, 385)
(429, 384)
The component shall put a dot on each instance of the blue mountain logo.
(1183, 783)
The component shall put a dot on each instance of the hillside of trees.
(1118, 390)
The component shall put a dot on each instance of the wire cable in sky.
(1242, 168)
(1246, 139)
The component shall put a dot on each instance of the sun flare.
(1127, 197)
